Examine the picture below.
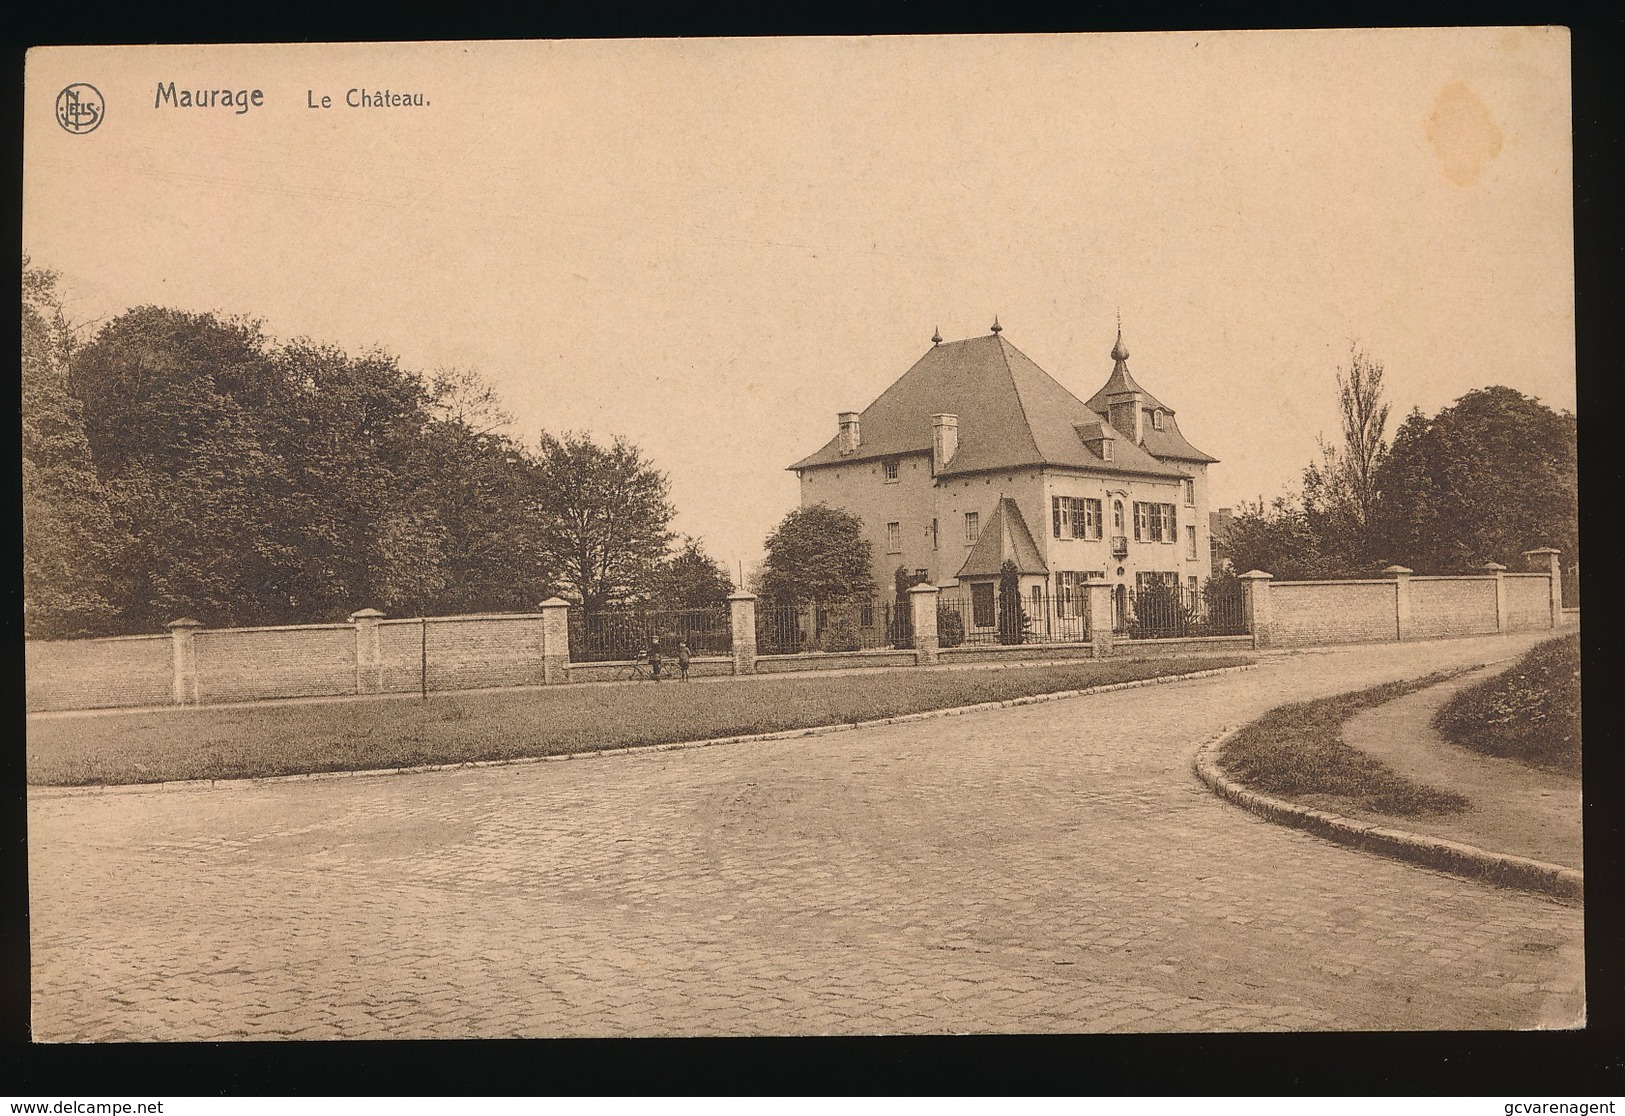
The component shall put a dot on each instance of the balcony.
(1119, 546)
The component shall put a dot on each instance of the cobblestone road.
(1053, 867)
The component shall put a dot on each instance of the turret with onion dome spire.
(1124, 398)
(1119, 350)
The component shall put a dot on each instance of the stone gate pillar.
(1498, 571)
(1100, 616)
(1255, 599)
(369, 656)
(922, 601)
(185, 659)
(555, 641)
(1402, 601)
(742, 619)
(1554, 587)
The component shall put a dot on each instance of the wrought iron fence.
(861, 625)
(982, 616)
(1164, 611)
(620, 634)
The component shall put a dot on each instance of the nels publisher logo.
(79, 108)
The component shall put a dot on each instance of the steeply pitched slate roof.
(1167, 442)
(1005, 536)
(1120, 380)
(1011, 413)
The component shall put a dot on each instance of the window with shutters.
(1091, 519)
(1155, 523)
(1075, 517)
(894, 538)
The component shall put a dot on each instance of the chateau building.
(976, 455)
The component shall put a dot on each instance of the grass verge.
(250, 741)
(1529, 712)
(1297, 751)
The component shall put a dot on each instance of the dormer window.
(1156, 418)
(1106, 449)
(889, 468)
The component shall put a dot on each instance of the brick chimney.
(1127, 414)
(849, 431)
(944, 441)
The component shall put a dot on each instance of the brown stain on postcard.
(1463, 134)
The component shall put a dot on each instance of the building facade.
(976, 456)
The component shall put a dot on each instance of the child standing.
(682, 659)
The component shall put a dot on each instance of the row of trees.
(180, 463)
(1488, 477)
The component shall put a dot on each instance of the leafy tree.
(1340, 492)
(462, 397)
(482, 488)
(70, 542)
(408, 561)
(180, 414)
(353, 437)
(1485, 479)
(817, 553)
(604, 516)
(1277, 539)
(182, 464)
(690, 578)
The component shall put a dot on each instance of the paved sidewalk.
(1051, 867)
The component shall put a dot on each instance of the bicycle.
(637, 672)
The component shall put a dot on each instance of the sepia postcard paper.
(1033, 533)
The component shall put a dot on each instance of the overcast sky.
(712, 246)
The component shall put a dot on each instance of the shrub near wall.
(1530, 712)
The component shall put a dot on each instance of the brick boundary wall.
(1306, 613)
(1403, 606)
(1526, 601)
(374, 654)
(98, 673)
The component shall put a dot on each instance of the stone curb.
(1459, 859)
(684, 745)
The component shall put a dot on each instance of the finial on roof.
(936, 336)
(1119, 353)
(996, 325)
